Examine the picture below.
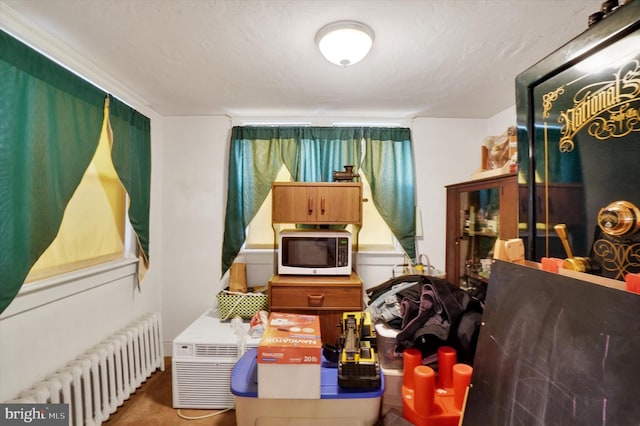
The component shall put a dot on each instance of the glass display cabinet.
(478, 213)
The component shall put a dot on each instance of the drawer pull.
(315, 300)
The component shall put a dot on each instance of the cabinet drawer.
(314, 297)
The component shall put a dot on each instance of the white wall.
(497, 124)
(194, 191)
(446, 151)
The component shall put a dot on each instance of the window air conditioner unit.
(204, 355)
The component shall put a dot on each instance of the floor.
(151, 404)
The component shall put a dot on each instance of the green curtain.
(311, 154)
(388, 167)
(254, 162)
(131, 156)
(50, 123)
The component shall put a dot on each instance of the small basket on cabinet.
(244, 305)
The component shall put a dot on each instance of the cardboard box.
(289, 357)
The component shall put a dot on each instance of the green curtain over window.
(131, 156)
(311, 154)
(254, 162)
(388, 167)
(50, 124)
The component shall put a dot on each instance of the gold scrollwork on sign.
(605, 106)
(619, 124)
(617, 257)
(548, 99)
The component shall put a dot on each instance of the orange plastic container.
(633, 282)
(430, 399)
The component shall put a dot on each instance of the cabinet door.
(339, 204)
(293, 204)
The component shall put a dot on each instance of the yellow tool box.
(358, 365)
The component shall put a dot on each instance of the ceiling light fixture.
(345, 42)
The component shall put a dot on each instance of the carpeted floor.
(151, 405)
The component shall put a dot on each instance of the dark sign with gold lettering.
(579, 148)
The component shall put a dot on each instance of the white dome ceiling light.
(345, 43)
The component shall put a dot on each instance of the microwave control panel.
(343, 252)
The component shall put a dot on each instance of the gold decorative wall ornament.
(549, 98)
(616, 257)
(619, 124)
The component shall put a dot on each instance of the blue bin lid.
(244, 380)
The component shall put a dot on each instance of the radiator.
(99, 381)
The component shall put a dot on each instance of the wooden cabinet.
(317, 202)
(325, 296)
(478, 213)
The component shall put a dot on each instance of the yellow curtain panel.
(93, 224)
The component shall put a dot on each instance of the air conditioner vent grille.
(216, 351)
(203, 385)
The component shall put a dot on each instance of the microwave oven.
(314, 252)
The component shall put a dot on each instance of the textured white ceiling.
(448, 58)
